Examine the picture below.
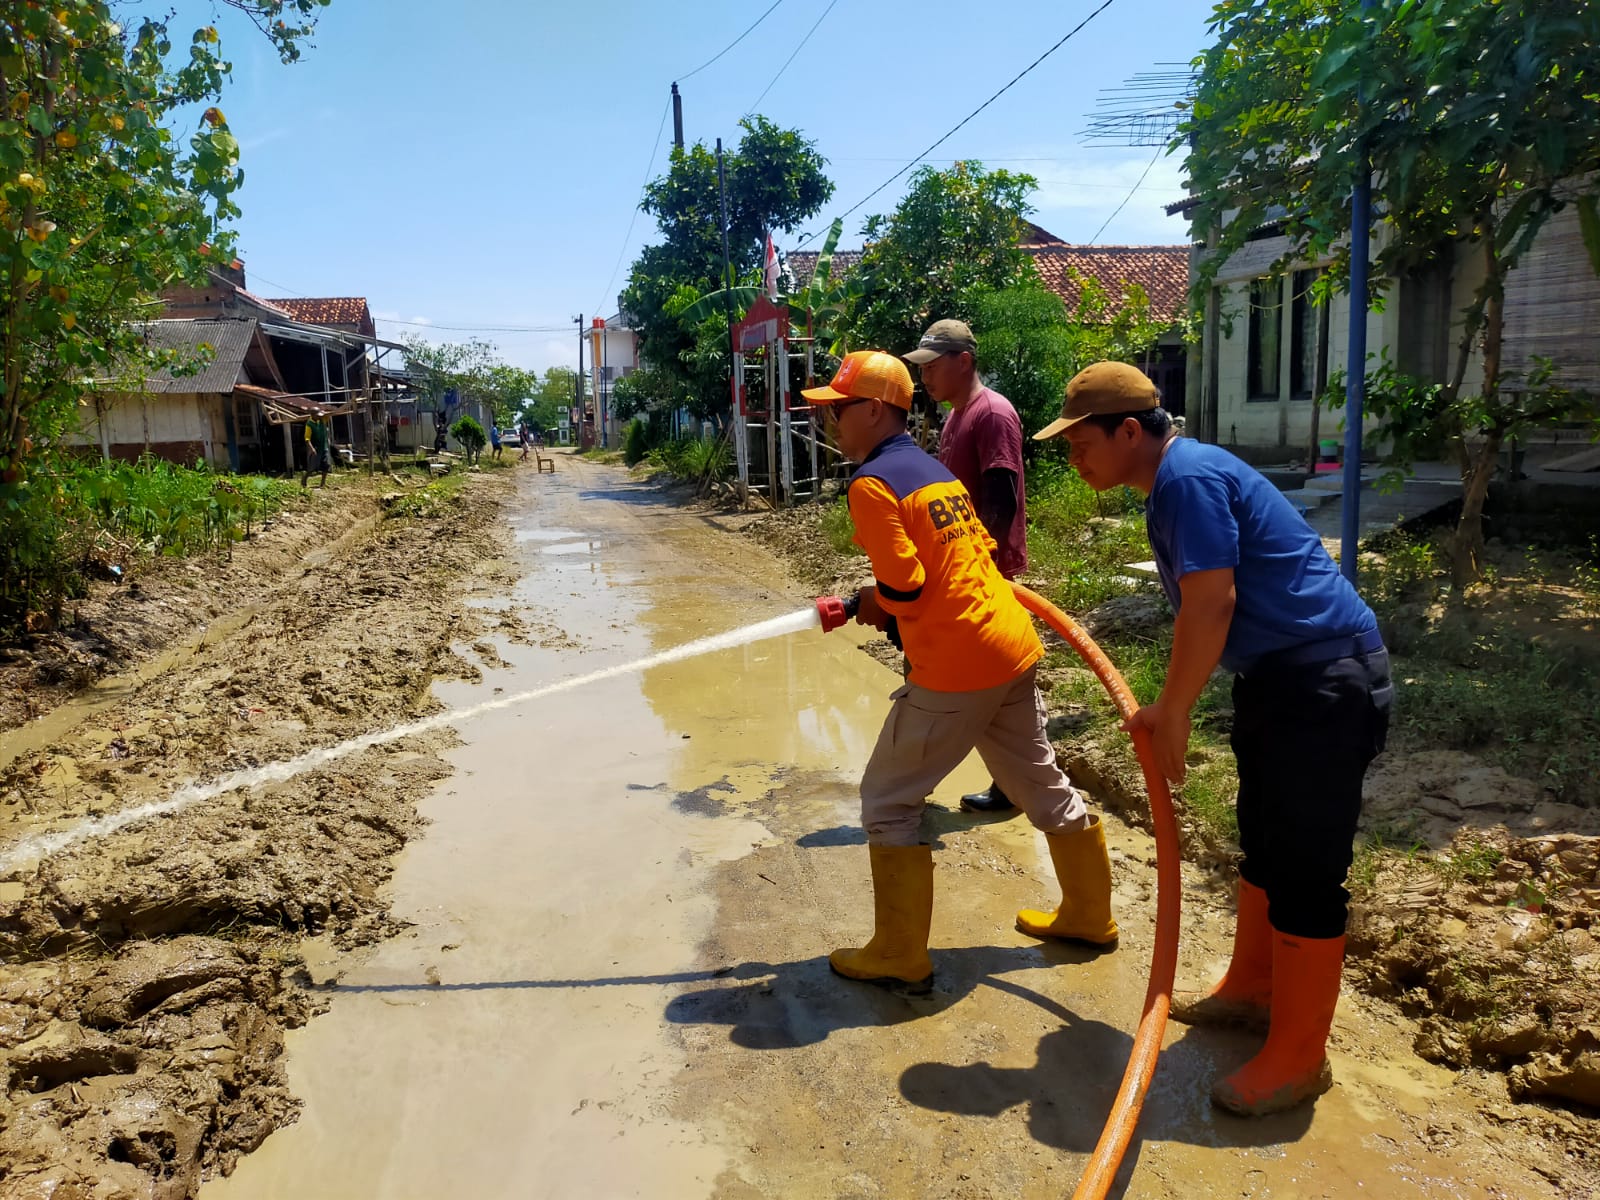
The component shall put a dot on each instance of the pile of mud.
(1493, 939)
(141, 1024)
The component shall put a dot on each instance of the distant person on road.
(1255, 591)
(973, 654)
(981, 444)
(522, 431)
(494, 440)
(318, 456)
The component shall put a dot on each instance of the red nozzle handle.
(836, 610)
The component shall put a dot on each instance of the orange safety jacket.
(961, 625)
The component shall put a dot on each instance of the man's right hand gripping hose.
(1108, 1154)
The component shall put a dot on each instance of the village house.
(247, 373)
(1267, 349)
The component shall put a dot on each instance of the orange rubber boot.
(902, 894)
(1293, 1066)
(1244, 993)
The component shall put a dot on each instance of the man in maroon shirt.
(981, 444)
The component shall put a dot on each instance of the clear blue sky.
(477, 163)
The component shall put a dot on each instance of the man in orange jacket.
(972, 652)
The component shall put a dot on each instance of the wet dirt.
(149, 973)
(579, 948)
(617, 983)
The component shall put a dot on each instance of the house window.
(1266, 336)
(1303, 317)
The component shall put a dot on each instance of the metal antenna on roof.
(1145, 110)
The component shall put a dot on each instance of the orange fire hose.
(1113, 1144)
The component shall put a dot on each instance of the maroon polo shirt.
(985, 434)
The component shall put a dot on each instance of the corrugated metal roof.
(228, 339)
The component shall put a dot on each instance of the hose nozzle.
(836, 610)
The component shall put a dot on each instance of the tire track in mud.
(151, 974)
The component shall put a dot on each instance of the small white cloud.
(262, 139)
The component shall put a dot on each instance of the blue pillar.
(1355, 388)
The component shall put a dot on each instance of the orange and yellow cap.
(866, 375)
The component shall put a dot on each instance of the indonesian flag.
(769, 270)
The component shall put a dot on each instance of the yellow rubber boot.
(1243, 996)
(1083, 868)
(902, 895)
(1293, 1066)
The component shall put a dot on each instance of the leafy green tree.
(474, 370)
(1030, 345)
(775, 181)
(953, 237)
(1481, 120)
(1025, 350)
(102, 205)
(555, 390)
(816, 309)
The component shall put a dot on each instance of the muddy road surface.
(599, 965)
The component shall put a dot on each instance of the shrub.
(470, 434)
(636, 442)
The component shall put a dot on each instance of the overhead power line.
(731, 44)
(1138, 183)
(654, 149)
(1071, 33)
(603, 302)
(567, 328)
(791, 57)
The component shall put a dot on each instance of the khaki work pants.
(927, 734)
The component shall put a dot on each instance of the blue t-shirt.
(1210, 510)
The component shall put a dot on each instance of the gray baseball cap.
(943, 337)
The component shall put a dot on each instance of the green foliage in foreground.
(694, 459)
(70, 515)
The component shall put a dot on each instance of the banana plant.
(824, 301)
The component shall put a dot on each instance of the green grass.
(840, 530)
(1473, 677)
(430, 499)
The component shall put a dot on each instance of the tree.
(775, 181)
(473, 370)
(952, 237)
(471, 437)
(1030, 345)
(1480, 119)
(102, 205)
(556, 390)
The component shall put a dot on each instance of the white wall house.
(1267, 348)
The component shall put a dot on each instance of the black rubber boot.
(992, 801)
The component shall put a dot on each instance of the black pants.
(1304, 737)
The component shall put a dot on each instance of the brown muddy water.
(615, 979)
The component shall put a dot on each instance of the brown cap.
(943, 337)
(866, 375)
(1100, 389)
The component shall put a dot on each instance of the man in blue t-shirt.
(1255, 592)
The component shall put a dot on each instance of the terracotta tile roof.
(327, 310)
(1163, 272)
(803, 264)
(1033, 235)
